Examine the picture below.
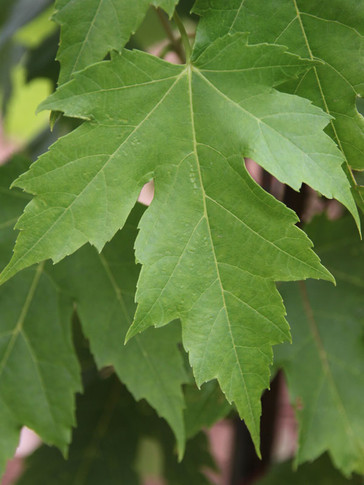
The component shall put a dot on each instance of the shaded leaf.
(92, 28)
(103, 285)
(105, 444)
(41, 59)
(321, 472)
(204, 407)
(39, 372)
(325, 364)
(191, 470)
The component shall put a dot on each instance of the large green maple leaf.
(212, 242)
(92, 28)
(330, 31)
(39, 372)
(325, 364)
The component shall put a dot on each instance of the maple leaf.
(330, 31)
(325, 364)
(92, 28)
(39, 372)
(103, 288)
(212, 242)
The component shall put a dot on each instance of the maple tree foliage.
(276, 82)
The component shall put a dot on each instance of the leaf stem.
(184, 36)
(176, 43)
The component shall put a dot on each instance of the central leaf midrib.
(236, 217)
(84, 43)
(194, 138)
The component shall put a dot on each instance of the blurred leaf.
(19, 13)
(105, 444)
(325, 364)
(21, 123)
(41, 61)
(320, 472)
(103, 285)
(10, 55)
(39, 372)
(35, 32)
(204, 407)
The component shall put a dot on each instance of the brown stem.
(176, 43)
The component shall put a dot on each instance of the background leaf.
(325, 364)
(204, 407)
(39, 372)
(92, 28)
(103, 285)
(321, 472)
(105, 444)
(17, 14)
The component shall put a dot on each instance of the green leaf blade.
(327, 333)
(92, 28)
(227, 321)
(39, 372)
(330, 32)
(215, 265)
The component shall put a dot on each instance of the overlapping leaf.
(325, 364)
(105, 445)
(204, 407)
(92, 28)
(103, 285)
(329, 31)
(39, 372)
(212, 242)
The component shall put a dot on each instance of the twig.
(176, 43)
